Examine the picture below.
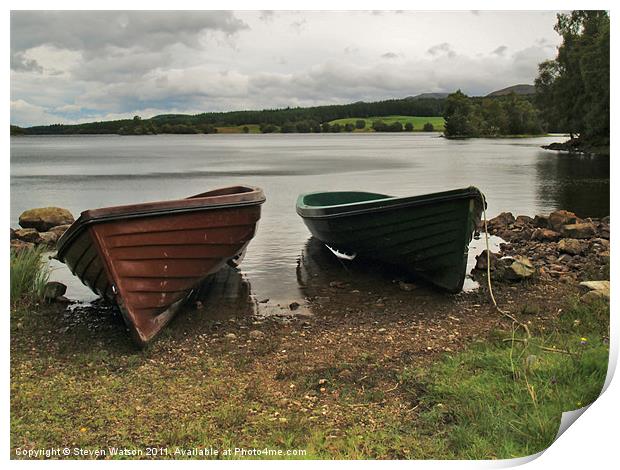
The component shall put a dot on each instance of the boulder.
(521, 268)
(571, 246)
(59, 229)
(13, 236)
(44, 218)
(49, 238)
(602, 287)
(545, 234)
(579, 230)
(542, 221)
(593, 296)
(603, 230)
(523, 221)
(502, 221)
(53, 290)
(19, 245)
(559, 218)
(28, 235)
(481, 260)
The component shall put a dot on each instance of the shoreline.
(343, 366)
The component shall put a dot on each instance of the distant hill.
(428, 96)
(520, 89)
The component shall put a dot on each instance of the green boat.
(429, 235)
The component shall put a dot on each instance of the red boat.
(148, 258)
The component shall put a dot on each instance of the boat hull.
(428, 235)
(148, 259)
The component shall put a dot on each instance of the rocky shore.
(560, 246)
(41, 226)
(575, 145)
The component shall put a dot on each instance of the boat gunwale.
(197, 203)
(379, 205)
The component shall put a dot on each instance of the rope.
(486, 239)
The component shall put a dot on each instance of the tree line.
(278, 118)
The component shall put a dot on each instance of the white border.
(591, 442)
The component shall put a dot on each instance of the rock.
(53, 290)
(294, 305)
(541, 221)
(564, 258)
(19, 245)
(59, 229)
(406, 286)
(49, 238)
(481, 260)
(28, 235)
(593, 296)
(502, 221)
(231, 336)
(521, 268)
(571, 246)
(559, 218)
(523, 221)
(256, 334)
(599, 286)
(581, 230)
(13, 236)
(545, 234)
(44, 218)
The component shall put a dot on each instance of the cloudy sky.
(85, 66)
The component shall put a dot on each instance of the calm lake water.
(83, 172)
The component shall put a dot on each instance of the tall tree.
(573, 89)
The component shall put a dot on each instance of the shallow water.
(83, 172)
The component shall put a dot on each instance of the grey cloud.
(441, 49)
(389, 55)
(500, 50)
(21, 63)
(89, 32)
(117, 64)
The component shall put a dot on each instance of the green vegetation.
(29, 274)
(418, 122)
(496, 399)
(498, 116)
(16, 130)
(309, 119)
(505, 398)
(573, 89)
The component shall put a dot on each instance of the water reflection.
(578, 183)
(319, 272)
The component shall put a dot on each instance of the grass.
(29, 275)
(497, 399)
(505, 398)
(417, 121)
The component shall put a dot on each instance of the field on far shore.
(417, 121)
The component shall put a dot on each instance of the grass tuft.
(29, 274)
